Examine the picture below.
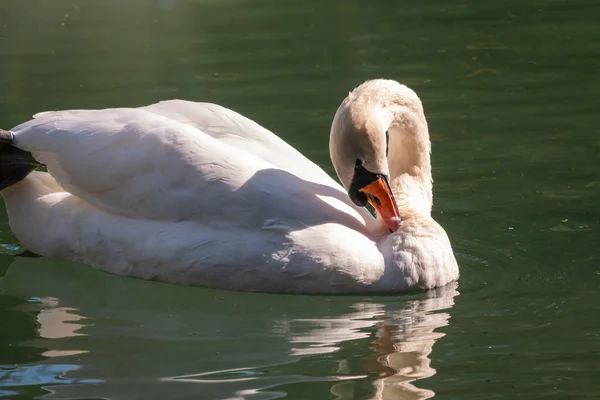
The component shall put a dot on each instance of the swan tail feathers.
(15, 164)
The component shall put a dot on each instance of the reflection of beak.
(382, 199)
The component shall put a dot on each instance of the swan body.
(194, 193)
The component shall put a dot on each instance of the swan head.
(358, 142)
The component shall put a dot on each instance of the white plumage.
(194, 193)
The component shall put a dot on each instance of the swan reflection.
(400, 345)
(152, 340)
(55, 322)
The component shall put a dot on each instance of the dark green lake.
(510, 89)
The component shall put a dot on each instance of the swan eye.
(375, 199)
(357, 163)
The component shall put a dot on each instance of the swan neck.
(409, 163)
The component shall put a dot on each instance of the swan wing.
(142, 165)
(241, 133)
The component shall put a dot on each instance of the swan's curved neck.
(409, 163)
(358, 134)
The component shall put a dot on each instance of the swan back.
(143, 165)
(241, 133)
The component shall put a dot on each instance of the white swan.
(194, 193)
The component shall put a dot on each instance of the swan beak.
(380, 195)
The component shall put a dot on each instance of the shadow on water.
(117, 337)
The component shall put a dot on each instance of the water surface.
(510, 91)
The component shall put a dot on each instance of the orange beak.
(381, 198)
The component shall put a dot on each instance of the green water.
(510, 91)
